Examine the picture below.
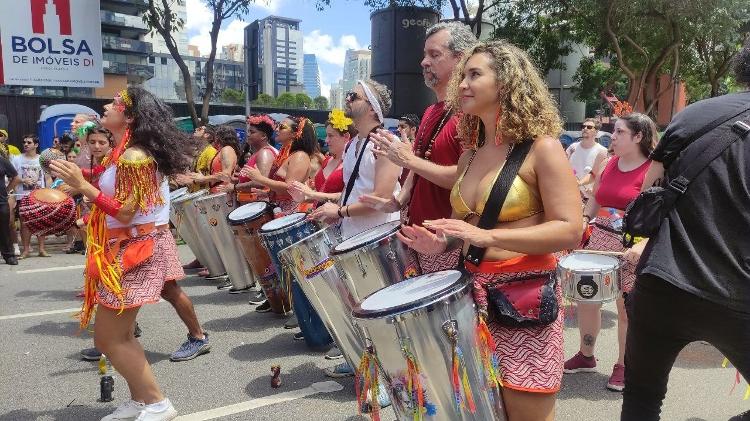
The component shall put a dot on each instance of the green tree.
(162, 18)
(233, 96)
(302, 100)
(321, 102)
(265, 100)
(286, 100)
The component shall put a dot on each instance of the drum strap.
(355, 172)
(500, 190)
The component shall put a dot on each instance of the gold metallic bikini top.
(522, 201)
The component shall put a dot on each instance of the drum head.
(588, 261)
(247, 212)
(283, 222)
(189, 196)
(177, 193)
(411, 294)
(373, 235)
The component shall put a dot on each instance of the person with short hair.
(585, 154)
(694, 273)
(407, 127)
(32, 177)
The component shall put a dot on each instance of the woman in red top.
(224, 139)
(618, 182)
(329, 180)
(299, 146)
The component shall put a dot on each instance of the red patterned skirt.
(174, 266)
(531, 358)
(429, 263)
(143, 283)
(605, 236)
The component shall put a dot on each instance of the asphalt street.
(43, 377)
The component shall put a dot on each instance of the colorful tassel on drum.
(366, 382)
(486, 346)
(459, 379)
(414, 386)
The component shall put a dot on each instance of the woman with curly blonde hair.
(506, 105)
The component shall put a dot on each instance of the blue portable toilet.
(55, 120)
(237, 122)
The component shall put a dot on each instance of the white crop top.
(159, 214)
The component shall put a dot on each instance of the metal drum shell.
(421, 328)
(196, 234)
(215, 208)
(323, 287)
(606, 290)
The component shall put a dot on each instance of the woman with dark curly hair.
(506, 106)
(224, 139)
(131, 252)
(299, 147)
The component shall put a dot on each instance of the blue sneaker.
(191, 349)
(339, 371)
(384, 400)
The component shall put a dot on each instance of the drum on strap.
(214, 209)
(589, 277)
(195, 232)
(310, 262)
(47, 212)
(276, 235)
(245, 221)
(422, 334)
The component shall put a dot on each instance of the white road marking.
(319, 387)
(53, 269)
(40, 313)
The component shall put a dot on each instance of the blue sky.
(328, 34)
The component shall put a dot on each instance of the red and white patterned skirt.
(174, 266)
(531, 358)
(429, 263)
(143, 283)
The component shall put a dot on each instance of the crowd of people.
(437, 176)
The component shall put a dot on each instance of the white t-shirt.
(159, 214)
(28, 168)
(364, 184)
(582, 159)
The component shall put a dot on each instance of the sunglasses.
(587, 126)
(352, 96)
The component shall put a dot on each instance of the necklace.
(427, 153)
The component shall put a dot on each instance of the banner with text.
(51, 43)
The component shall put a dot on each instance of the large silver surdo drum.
(195, 232)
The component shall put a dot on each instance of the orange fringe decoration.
(414, 384)
(136, 182)
(366, 380)
(486, 346)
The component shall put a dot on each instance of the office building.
(356, 67)
(336, 99)
(232, 52)
(168, 83)
(312, 76)
(273, 56)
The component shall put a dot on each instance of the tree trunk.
(714, 87)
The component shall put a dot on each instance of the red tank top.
(335, 181)
(618, 188)
(253, 160)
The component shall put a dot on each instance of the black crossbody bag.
(526, 301)
(645, 214)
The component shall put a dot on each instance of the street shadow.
(156, 357)
(587, 386)
(609, 318)
(221, 298)
(70, 413)
(699, 355)
(695, 419)
(53, 295)
(276, 348)
(48, 328)
(249, 322)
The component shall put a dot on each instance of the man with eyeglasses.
(433, 158)
(584, 154)
(32, 178)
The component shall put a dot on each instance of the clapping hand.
(422, 240)
(69, 172)
(391, 147)
(380, 204)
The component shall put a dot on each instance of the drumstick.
(607, 253)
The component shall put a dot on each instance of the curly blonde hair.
(527, 109)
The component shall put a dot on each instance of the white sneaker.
(16, 250)
(128, 410)
(160, 411)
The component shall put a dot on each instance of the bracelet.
(107, 204)
(338, 212)
(347, 211)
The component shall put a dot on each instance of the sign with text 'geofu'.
(51, 43)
